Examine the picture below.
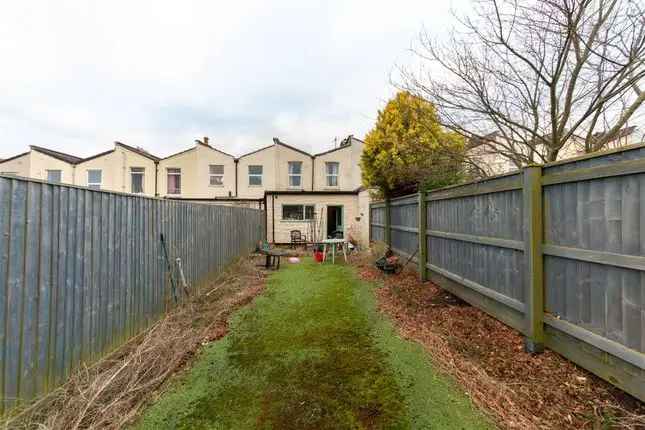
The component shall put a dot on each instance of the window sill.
(216, 186)
(295, 221)
(255, 186)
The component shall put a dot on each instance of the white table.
(334, 243)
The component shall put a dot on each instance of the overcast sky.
(78, 75)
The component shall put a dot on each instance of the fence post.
(421, 233)
(532, 196)
(388, 232)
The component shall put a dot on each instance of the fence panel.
(404, 219)
(81, 271)
(377, 222)
(583, 221)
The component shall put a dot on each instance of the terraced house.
(315, 194)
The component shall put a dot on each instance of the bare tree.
(537, 73)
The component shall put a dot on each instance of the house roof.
(72, 159)
(278, 142)
(14, 157)
(214, 149)
(139, 151)
(345, 143)
(198, 142)
(92, 157)
(255, 151)
(178, 153)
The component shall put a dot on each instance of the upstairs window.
(55, 176)
(255, 175)
(216, 174)
(297, 212)
(295, 173)
(332, 169)
(136, 179)
(174, 180)
(94, 179)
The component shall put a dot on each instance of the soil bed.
(518, 390)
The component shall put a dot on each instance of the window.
(136, 178)
(255, 175)
(94, 179)
(55, 176)
(295, 173)
(174, 181)
(216, 173)
(331, 169)
(297, 212)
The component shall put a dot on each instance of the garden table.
(272, 257)
(333, 243)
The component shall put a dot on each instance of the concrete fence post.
(421, 233)
(533, 237)
(388, 231)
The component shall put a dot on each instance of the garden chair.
(297, 238)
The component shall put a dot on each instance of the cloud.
(77, 75)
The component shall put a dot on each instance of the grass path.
(312, 353)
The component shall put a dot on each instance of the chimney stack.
(205, 140)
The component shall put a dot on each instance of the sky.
(76, 76)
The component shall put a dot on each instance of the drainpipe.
(273, 217)
(156, 178)
(266, 218)
(313, 169)
(236, 164)
(123, 180)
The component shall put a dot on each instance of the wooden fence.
(555, 251)
(82, 271)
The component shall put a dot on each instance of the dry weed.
(112, 392)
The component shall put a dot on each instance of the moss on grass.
(312, 353)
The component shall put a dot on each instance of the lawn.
(313, 353)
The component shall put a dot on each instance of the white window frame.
(176, 171)
(60, 181)
(212, 175)
(303, 212)
(94, 185)
(328, 175)
(255, 175)
(140, 171)
(295, 175)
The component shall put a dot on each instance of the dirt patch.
(111, 393)
(487, 357)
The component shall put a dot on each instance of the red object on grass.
(318, 256)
